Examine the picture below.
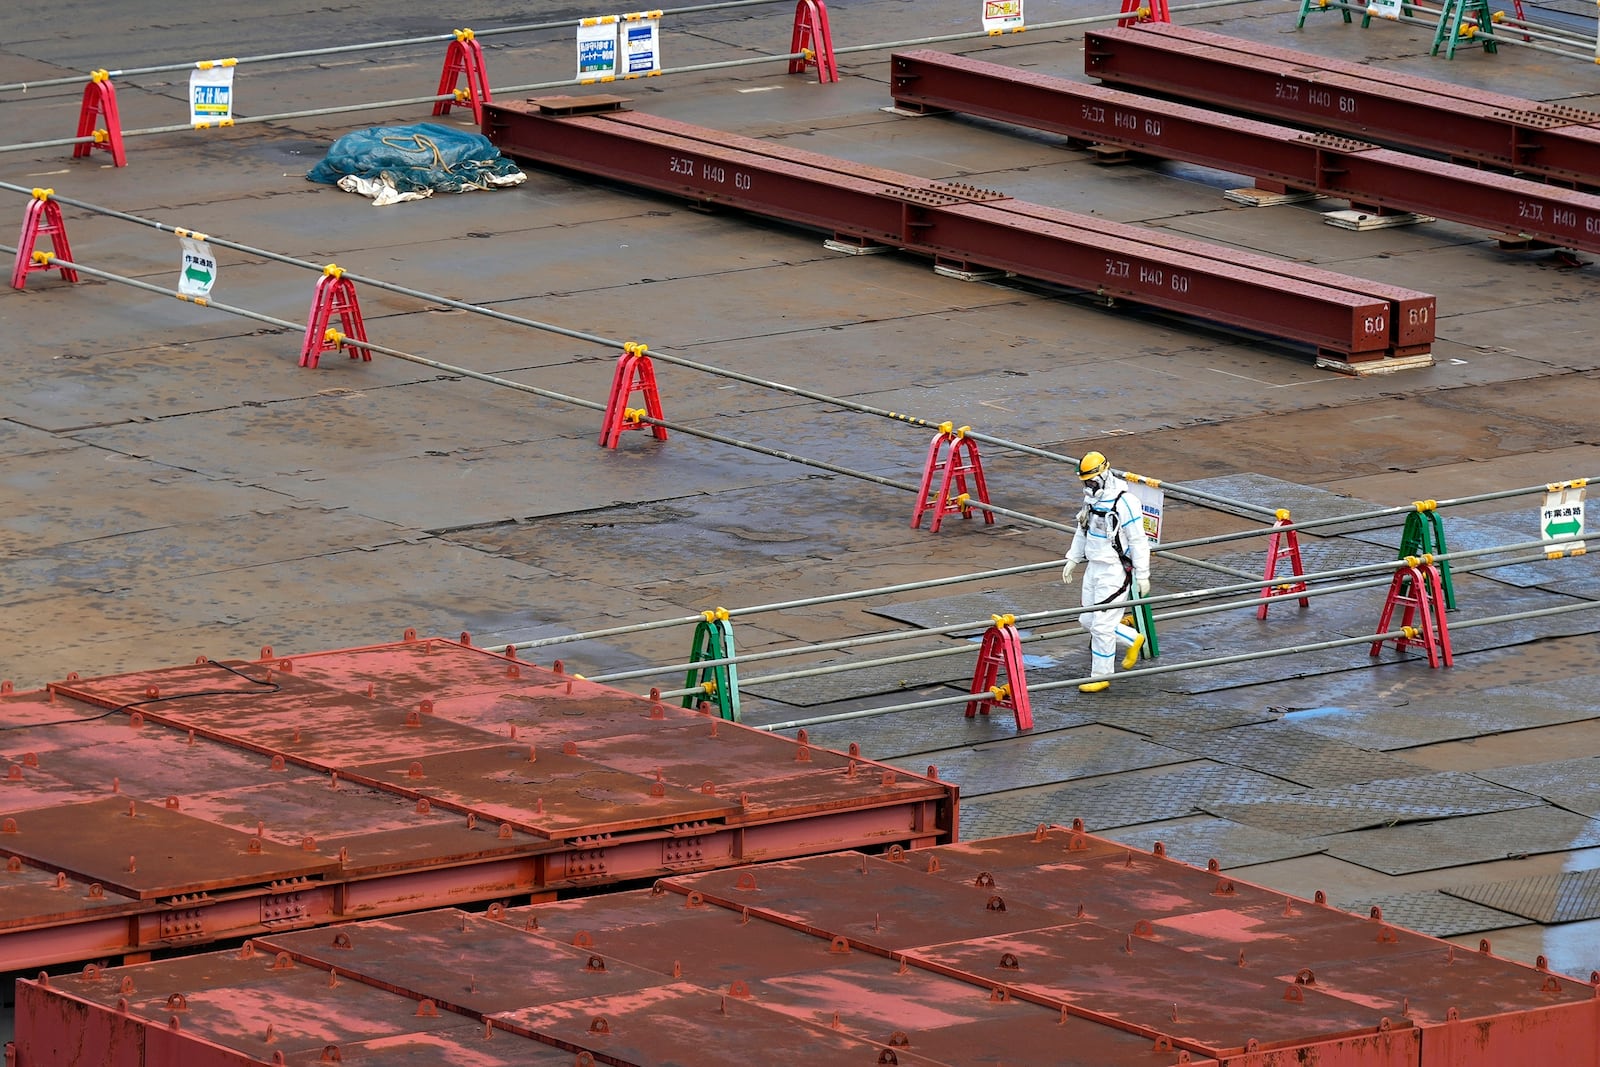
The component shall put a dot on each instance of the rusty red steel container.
(958, 225)
(1366, 175)
(1401, 110)
(171, 808)
(1052, 948)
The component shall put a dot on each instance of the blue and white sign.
(597, 48)
(641, 47)
(211, 95)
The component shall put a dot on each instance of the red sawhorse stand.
(1144, 11)
(960, 461)
(1417, 587)
(1002, 648)
(463, 58)
(1280, 545)
(813, 37)
(634, 374)
(100, 101)
(335, 295)
(42, 218)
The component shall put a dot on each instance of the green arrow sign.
(1568, 528)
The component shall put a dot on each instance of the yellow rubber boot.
(1132, 655)
(1095, 687)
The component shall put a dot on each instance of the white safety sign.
(1001, 16)
(641, 46)
(597, 48)
(1152, 502)
(199, 271)
(211, 94)
(1384, 9)
(1562, 517)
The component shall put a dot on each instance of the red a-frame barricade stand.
(463, 58)
(100, 102)
(954, 454)
(1001, 649)
(1418, 588)
(634, 374)
(1144, 11)
(1282, 544)
(813, 38)
(42, 218)
(335, 296)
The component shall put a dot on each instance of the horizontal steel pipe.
(957, 224)
(1457, 122)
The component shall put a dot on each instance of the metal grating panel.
(1229, 843)
(1286, 751)
(1304, 502)
(1573, 784)
(1434, 912)
(1571, 896)
(1428, 721)
(1061, 755)
(1470, 839)
(1386, 802)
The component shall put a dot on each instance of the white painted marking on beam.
(760, 89)
(1258, 381)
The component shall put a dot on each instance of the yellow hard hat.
(1092, 464)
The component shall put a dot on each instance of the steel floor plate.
(902, 733)
(1058, 756)
(1455, 842)
(1570, 896)
(1229, 843)
(1386, 802)
(1573, 784)
(1433, 912)
(1303, 501)
(1174, 714)
(1427, 722)
(1286, 751)
(1163, 793)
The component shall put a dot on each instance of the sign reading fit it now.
(618, 46)
(211, 94)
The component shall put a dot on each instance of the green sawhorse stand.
(1424, 536)
(715, 681)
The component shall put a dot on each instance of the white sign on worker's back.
(1152, 502)
(199, 271)
(1562, 517)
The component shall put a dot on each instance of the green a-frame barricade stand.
(715, 682)
(1479, 22)
(1424, 536)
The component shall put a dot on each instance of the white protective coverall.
(1111, 541)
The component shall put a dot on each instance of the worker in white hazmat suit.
(1111, 542)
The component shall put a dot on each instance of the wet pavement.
(176, 486)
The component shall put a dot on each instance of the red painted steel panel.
(944, 222)
(233, 836)
(1362, 101)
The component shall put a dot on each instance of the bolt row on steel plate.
(167, 809)
(1349, 321)
(1368, 176)
(1054, 948)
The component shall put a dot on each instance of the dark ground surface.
(173, 485)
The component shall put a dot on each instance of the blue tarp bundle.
(418, 159)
